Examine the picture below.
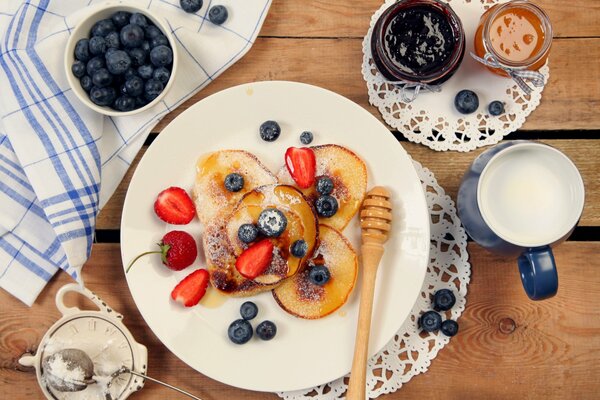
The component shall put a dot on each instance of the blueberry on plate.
(82, 50)
(496, 108)
(86, 83)
(161, 56)
(121, 18)
(306, 137)
(134, 86)
(269, 131)
(162, 74)
(466, 101)
(132, 35)
(112, 40)
(234, 182)
(443, 300)
(118, 62)
(103, 28)
(449, 327)
(124, 103)
(138, 19)
(326, 206)
(145, 71)
(324, 185)
(319, 275)
(95, 64)
(247, 233)
(138, 56)
(78, 69)
(103, 96)
(160, 40)
(248, 310)
(102, 78)
(240, 331)
(299, 248)
(272, 222)
(218, 14)
(266, 330)
(97, 45)
(191, 6)
(151, 31)
(430, 321)
(152, 89)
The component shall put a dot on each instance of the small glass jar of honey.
(517, 33)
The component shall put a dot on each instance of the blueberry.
(162, 74)
(130, 73)
(145, 46)
(269, 131)
(110, 50)
(218, 14)
(299, 248)
(118, 62)
(234, 182)
(134, 86)
(151, 31)
(449, 327)
(145, 71)
(324, 185)
(443, 300)
(319, 275)
(306, 137)
(248, 310)
(247, 233)
(103, 28)
(78, 68)
(121, 18)
(272, 222)
(326, 206)
(191, 6)
(103, 96)
(102, 78)
(82, 50)
(132, 35)
(94, 65)
(496, 108)
(138, 19)
(266, 330)
(124, 103)
(86, 83)
(430, 321)
(112, 40)
(240, 331)
(160, 40)
(138, 56)
(466, 101)
(140, 102)
(97, 45)
(161, 56)
(152, 89)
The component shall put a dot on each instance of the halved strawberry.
(191, 289)
(174, 206)
(302, 165)
(255, 259)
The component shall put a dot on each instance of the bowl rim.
(75, 36)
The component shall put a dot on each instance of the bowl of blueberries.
(121, 59)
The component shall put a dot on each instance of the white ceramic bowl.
(82, 30)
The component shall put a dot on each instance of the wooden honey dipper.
(375, 222)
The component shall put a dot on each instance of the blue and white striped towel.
(61, 162)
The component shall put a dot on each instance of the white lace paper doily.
(410, 351)
(432, 119)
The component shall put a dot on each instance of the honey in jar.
(517, 33)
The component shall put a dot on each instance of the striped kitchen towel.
(59, 161)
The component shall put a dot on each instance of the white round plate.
(305, 353)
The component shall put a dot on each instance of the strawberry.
(255, 259)
(174, 206)
(192, 288)
(302, 165)
(177, 249)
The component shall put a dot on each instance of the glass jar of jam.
(418, 41)
(518, 34)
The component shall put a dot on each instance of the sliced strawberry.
(178, 250)
(255, 259)
(174, 206)
(302, 165)
(191, 289)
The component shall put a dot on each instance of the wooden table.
(509, 346)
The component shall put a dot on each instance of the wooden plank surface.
(508, 346)
(448, 168)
